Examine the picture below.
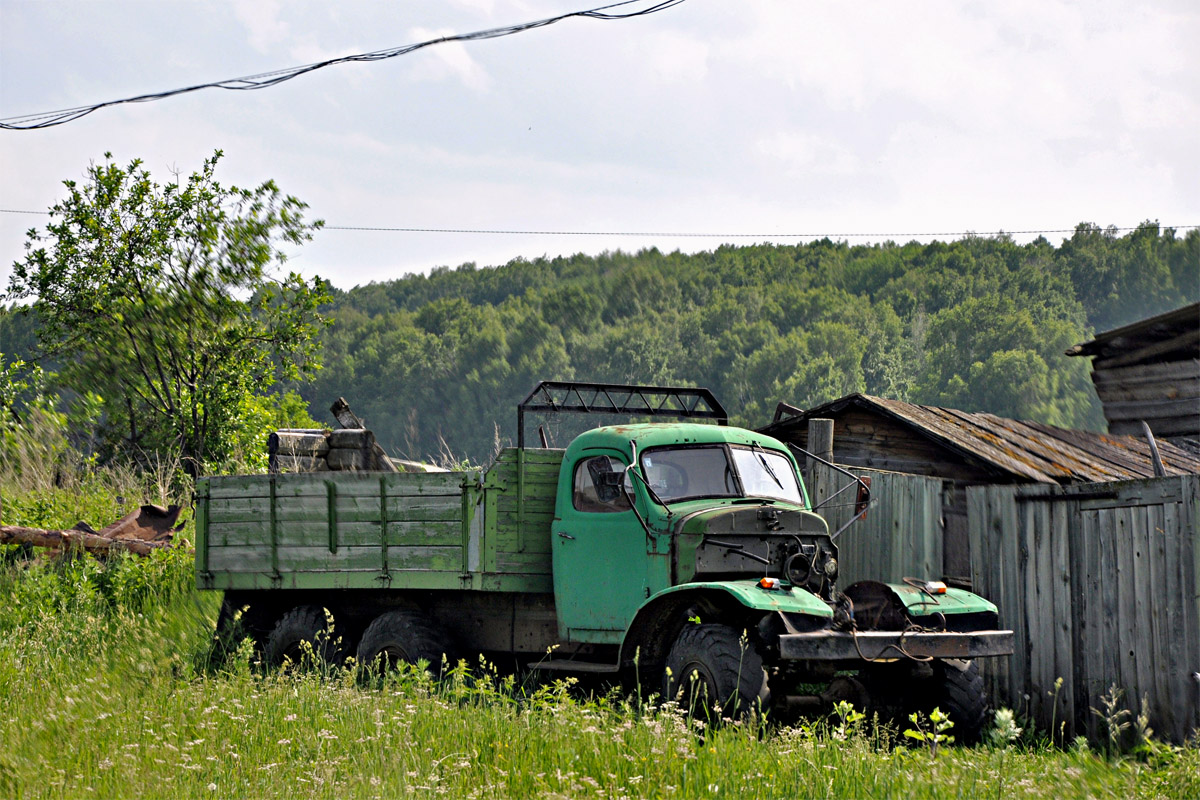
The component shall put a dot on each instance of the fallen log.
(66, 540)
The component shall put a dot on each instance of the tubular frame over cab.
(616, 398)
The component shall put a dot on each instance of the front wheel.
(713, 671)
(961, 695)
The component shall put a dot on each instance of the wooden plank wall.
(1166, 395)
(902, 534)
(1101, 586)
(356, 529)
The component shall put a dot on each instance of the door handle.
(565, 535)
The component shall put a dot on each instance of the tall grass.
(107, 690)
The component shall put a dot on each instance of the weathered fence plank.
(902, 533)
(1101, 584)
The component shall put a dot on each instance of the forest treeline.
(436, 363)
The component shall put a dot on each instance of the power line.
(694, 234)
(685, 234)
(264, 80)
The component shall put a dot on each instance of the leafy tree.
(980, 324)
(162, 299)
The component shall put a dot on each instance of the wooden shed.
(1150, 371)
(972, 449)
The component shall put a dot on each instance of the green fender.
(645, 629)
(751, 595)
(954, 601)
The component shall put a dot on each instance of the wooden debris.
(345, 417)
(143, 531)
(65, 540)
(350, 448)
(148, 524)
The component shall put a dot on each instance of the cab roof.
(662, 434)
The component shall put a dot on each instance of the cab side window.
(598, 485)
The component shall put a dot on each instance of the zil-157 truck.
(685, 553)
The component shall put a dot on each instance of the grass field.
(107, 689)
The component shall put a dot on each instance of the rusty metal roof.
(1027, 450)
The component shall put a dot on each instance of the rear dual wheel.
(302, 635)
(403, 636)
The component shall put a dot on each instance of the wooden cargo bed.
(486, 530)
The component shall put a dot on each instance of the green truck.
(685, 553)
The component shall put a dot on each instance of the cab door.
(600, 551)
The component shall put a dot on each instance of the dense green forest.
(436, 363)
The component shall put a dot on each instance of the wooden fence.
(1101, 586)
(902, 533)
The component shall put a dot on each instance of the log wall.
(1165, 395)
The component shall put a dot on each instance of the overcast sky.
(767, 117)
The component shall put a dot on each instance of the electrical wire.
(693, 234)
(264, 80)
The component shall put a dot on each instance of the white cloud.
(261, 18)
(760, 115)
(678, 58)
(805, 154)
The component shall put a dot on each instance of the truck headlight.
(831, 568)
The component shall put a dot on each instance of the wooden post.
(820, 443)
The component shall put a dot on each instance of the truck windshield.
(681, 473)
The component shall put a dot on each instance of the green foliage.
(436, 363)
(850, 720)
(34, 445)
(160, 299)
(49, 474)
(1004, 731)
(1115, 718)
(932, 732)
(978, 324)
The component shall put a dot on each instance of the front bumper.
(871, 645)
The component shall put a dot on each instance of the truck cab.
(646, 507)
(695, 550)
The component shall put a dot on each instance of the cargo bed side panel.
(457, 530)
(356, 530)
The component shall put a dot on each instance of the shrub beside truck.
(685, 554)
